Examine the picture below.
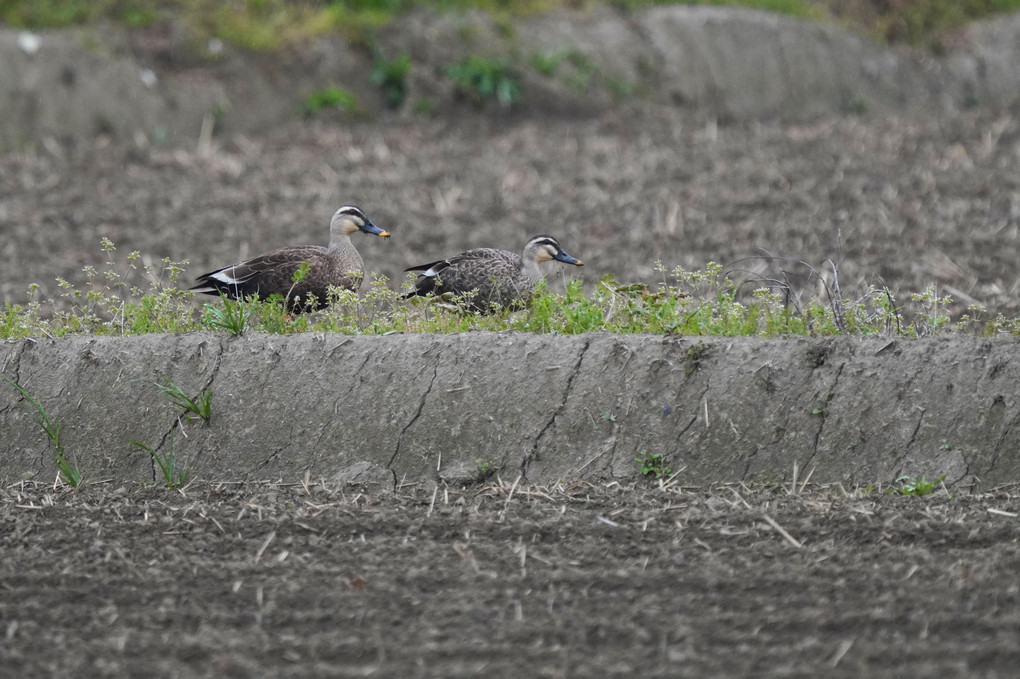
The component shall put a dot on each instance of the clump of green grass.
(67, 468)
(653, 464)
(331, 97)
(582, 67)
(908, 485)
(547, 63)
(257, 25)
(485, 470)
(480, 80)
(174, 474)
(390, 75)
(201, 406)
(233, 317)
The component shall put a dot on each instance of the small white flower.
(29, 42)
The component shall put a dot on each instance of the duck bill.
(371, 228)
(567, 259)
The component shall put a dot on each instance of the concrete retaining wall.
(434, 408)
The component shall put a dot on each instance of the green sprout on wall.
(68, 469)
(653, 464)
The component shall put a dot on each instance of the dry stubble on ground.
(586, 580)
(903, 202)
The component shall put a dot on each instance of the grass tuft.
(202, 406)
(174, 476)
(908, 485)
(68, 469)
(233, 317)
(653, 464)
(390, 75)
(331, 98)
(479, 80)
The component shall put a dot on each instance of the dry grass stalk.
(782, 531)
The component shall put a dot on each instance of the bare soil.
(296, 580)
(895, 201)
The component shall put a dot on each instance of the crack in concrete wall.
(417, 413)
(830, 390)
(563, 402)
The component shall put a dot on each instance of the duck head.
(350, 219)
(544, 248)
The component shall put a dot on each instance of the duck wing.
(470, 270)
(263, 276)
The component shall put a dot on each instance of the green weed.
(624, 88)
(331, 98)
(390, 75)
(695, 355)
(653, 464)
(932, 313)
(202, 406)
(257, 25)
(545, 63)
(485, 470)
(290, 301)
(174, 476)
(424, 106)
(908, 485)
(923, 22)
(67, 468)
(233, 317)
(584, 70)
(480, 80)
(581, 72)
(857, 106)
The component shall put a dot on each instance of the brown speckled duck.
(500, 277)
(337, 264)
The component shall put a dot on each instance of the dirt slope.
(162, 83)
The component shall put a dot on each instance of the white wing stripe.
(224, 277)
(434, 270)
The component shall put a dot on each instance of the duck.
(488, 278)
(273, 273)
